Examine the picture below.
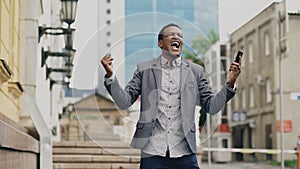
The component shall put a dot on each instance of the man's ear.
(160, 43)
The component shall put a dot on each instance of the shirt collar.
(176, 62)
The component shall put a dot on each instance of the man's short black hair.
(161, 32)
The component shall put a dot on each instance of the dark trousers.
(159, 162)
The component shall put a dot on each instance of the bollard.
(298, 159)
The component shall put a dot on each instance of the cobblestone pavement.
(240, 165)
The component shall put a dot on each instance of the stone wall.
(17, 148)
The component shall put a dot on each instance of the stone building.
(256, 108)
(18, 149)
(94, 117)
(28, 109)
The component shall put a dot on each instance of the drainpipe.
(30, 12)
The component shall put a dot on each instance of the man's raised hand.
(235, 70)
(107, 64)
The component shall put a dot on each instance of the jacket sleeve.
(124, 98)
(212, 103)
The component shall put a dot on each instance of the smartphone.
(237, 58)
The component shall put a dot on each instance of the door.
(269, 140)
(238, 141)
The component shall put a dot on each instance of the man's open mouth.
(175, 45)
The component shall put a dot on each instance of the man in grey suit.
(170, 87)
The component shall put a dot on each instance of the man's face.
(172, 41)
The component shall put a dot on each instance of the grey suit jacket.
(146, 82)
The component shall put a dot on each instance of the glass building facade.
(144, 19)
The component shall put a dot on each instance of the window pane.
(268, 90)
(250, 53)
(236, 102)
(251, 91)
(244, 98)
(267, 44)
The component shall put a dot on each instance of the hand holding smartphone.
(235, 69)
(237, 58)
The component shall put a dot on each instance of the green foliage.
(201, 45)
(192, 57)
(287, 163)
(74, 116)
(189, 55)
(213, 36)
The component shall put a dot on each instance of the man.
(298, 143)
(169, 87)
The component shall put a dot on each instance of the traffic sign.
(287, 126)
(239, 116)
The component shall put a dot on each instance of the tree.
(201, 44)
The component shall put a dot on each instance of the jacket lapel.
(157, 72)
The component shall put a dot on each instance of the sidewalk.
(240, 165)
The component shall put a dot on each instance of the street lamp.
(55, 31)
(61, 82)
(69, 63)
(46, 54)
(69, 8)
(67, 70)
(69, 54)
(68, 13)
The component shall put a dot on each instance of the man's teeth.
(176, 44)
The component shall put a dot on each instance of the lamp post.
(68, 9)
(46, 54)
(68, 71)
(69, 39)
(68, 54)
(61, 82)
(282, 49)
(71, 55)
